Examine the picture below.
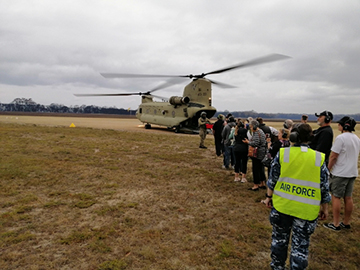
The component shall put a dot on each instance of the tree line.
(28, 105)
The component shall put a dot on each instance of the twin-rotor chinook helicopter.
(181, 112)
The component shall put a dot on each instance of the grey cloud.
(65, 45)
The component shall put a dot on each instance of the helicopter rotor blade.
(222, 85)
(160, 97)
(176, 79)
(257, 61)
(168, 83)
(108, 95)
(122, 94)
(123, 75)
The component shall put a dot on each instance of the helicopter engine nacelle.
(179, 100)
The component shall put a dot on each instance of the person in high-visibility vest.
(298, 193)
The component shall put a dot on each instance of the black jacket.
(217, 129)
(240, 146)
(322, 141)
(266, 130)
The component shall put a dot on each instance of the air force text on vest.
(310, 192)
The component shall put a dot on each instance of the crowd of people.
(233, 139)
(304, 167)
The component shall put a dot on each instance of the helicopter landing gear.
(177, 129)
(148, 126)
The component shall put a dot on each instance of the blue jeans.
(229, 157)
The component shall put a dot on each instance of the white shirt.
(347, 145)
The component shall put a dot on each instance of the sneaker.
(342, 225)
(237, 179)
(203, 147)
(243, 180)
(331, 226)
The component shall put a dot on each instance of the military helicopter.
(181, 113)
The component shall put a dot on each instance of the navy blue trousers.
(300, 240)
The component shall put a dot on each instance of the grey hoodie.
(226, 132)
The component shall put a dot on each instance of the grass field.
(89, 198)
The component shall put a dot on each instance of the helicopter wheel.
(177, 129)
(147, 126)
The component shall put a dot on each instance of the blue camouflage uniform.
(283, 225)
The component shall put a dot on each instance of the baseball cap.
(325, 113)
(231, 119)
(349, 122)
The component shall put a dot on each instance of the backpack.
(232, 137)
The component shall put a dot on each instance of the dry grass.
(82, 198)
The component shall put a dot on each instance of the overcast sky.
(50, 50)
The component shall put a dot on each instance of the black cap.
(326, 114)
(231, 119)
(348, 123)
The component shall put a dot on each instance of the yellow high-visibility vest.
(297, 192)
